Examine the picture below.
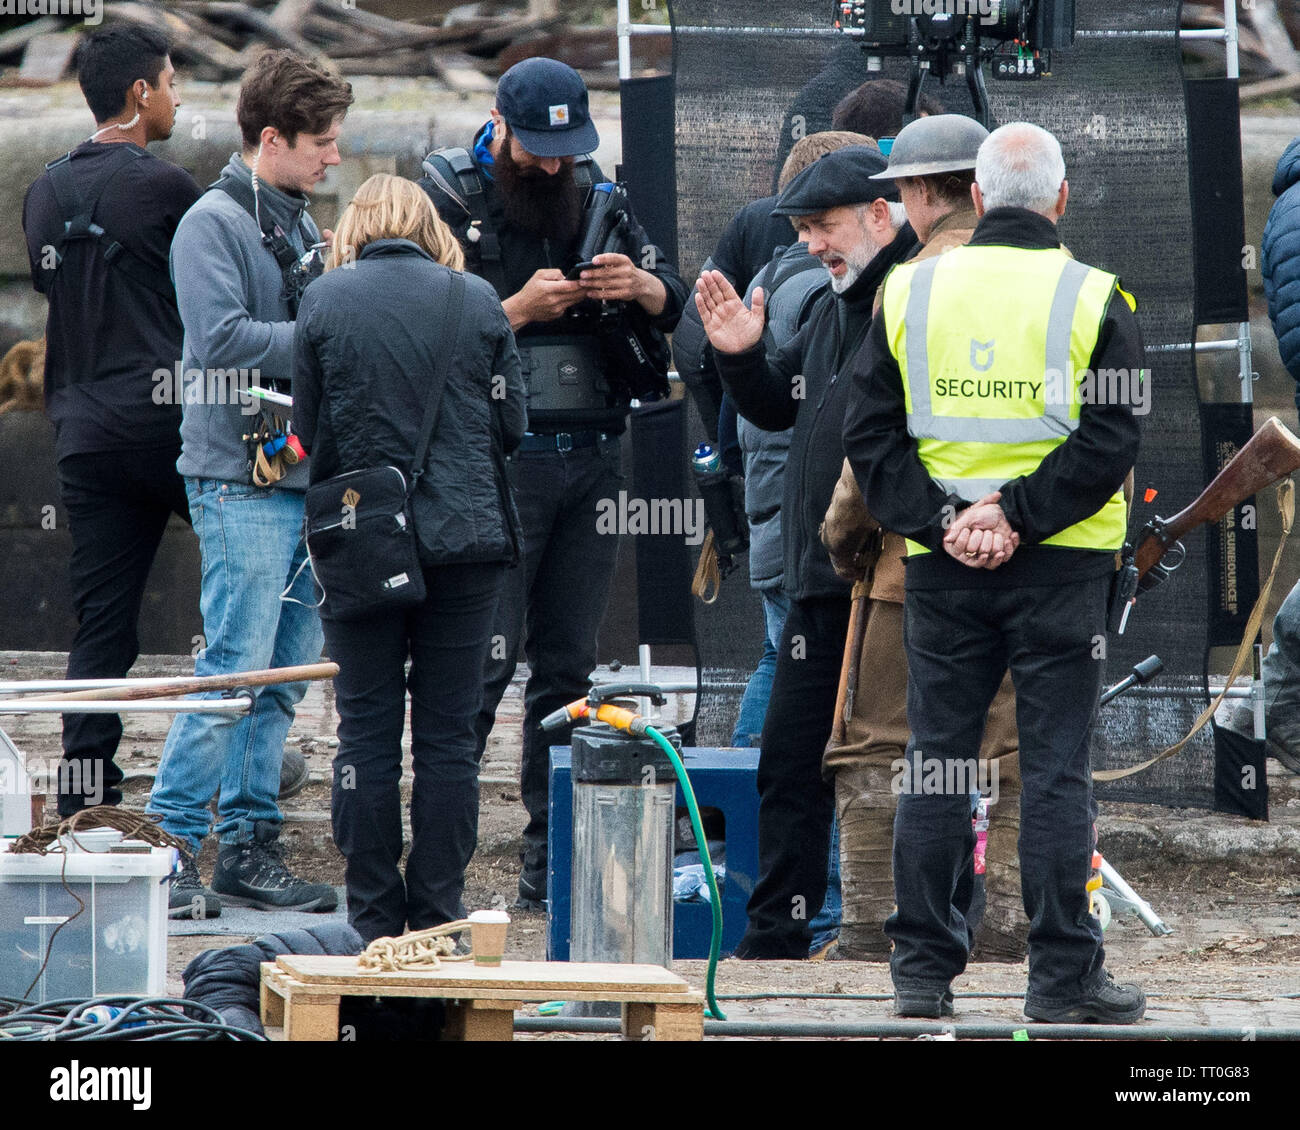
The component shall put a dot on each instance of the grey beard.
(854, 265)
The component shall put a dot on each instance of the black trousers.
(555, 602)
(795, 805)
(959, 643)
(118, 504)
(447, 640)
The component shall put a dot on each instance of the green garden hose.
(715, 899)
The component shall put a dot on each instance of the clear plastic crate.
(116, 945)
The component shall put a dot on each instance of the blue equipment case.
(723, 779)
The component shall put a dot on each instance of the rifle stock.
(849, 667)
(1271, 454)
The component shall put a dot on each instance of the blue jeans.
(753, 705)
(1282, 675)
(251, 551)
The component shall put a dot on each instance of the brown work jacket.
(849, 532)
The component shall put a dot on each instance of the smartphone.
(572, 276)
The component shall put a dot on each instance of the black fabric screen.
(663, 565)
(1219, 224)
(1115, 101)
(646, 107)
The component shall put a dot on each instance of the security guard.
(976, 433)
(516, 202)
(933, 164)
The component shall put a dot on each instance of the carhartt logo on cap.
(560, 115)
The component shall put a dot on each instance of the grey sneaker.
(1108, 1003)
(254, 874)
(188, 897)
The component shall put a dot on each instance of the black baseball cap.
(544, 102)
(843, 176)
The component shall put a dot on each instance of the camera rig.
(1015, 37)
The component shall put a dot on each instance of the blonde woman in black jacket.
(366, 347)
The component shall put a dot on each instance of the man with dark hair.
(870, 109)
(112, 323)
(237, 262)
(516, 203)
(875, 109)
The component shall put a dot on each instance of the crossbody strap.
(450, 330)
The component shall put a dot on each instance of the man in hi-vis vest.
(992, 426)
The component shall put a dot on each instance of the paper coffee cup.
(488, 936)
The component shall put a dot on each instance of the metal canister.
(705, 460)
(624, 793)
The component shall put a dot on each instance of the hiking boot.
(927, 1005)
(1108, 1003)
(294, 774)
(188, 897)
(253, 874)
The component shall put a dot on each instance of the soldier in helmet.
(933, 165)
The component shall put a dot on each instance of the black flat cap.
(841, 177)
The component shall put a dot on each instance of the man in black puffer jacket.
(850, 223)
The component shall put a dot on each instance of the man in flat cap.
(855, 226)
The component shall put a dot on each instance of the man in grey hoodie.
(232, 262)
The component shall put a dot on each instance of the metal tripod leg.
(1122, 898)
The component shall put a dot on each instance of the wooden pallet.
(301, 995)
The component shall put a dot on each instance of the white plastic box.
(117, 945)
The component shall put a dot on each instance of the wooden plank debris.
(46, 58)
(465, 49)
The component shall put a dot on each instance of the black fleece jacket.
(800, 386)
(1071, 484)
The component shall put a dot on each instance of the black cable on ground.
(116, 1019)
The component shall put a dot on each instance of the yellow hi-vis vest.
(994, 344)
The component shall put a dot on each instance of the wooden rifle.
(1270, 454)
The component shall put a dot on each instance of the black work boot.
(927, 1005)
(532, 890)
(1108, 1003)
(188, 897)
(253, 874)
(294, 774)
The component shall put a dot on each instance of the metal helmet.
(940, 143)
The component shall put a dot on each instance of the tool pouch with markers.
(266, 470)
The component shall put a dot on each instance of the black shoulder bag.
(360, 535)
